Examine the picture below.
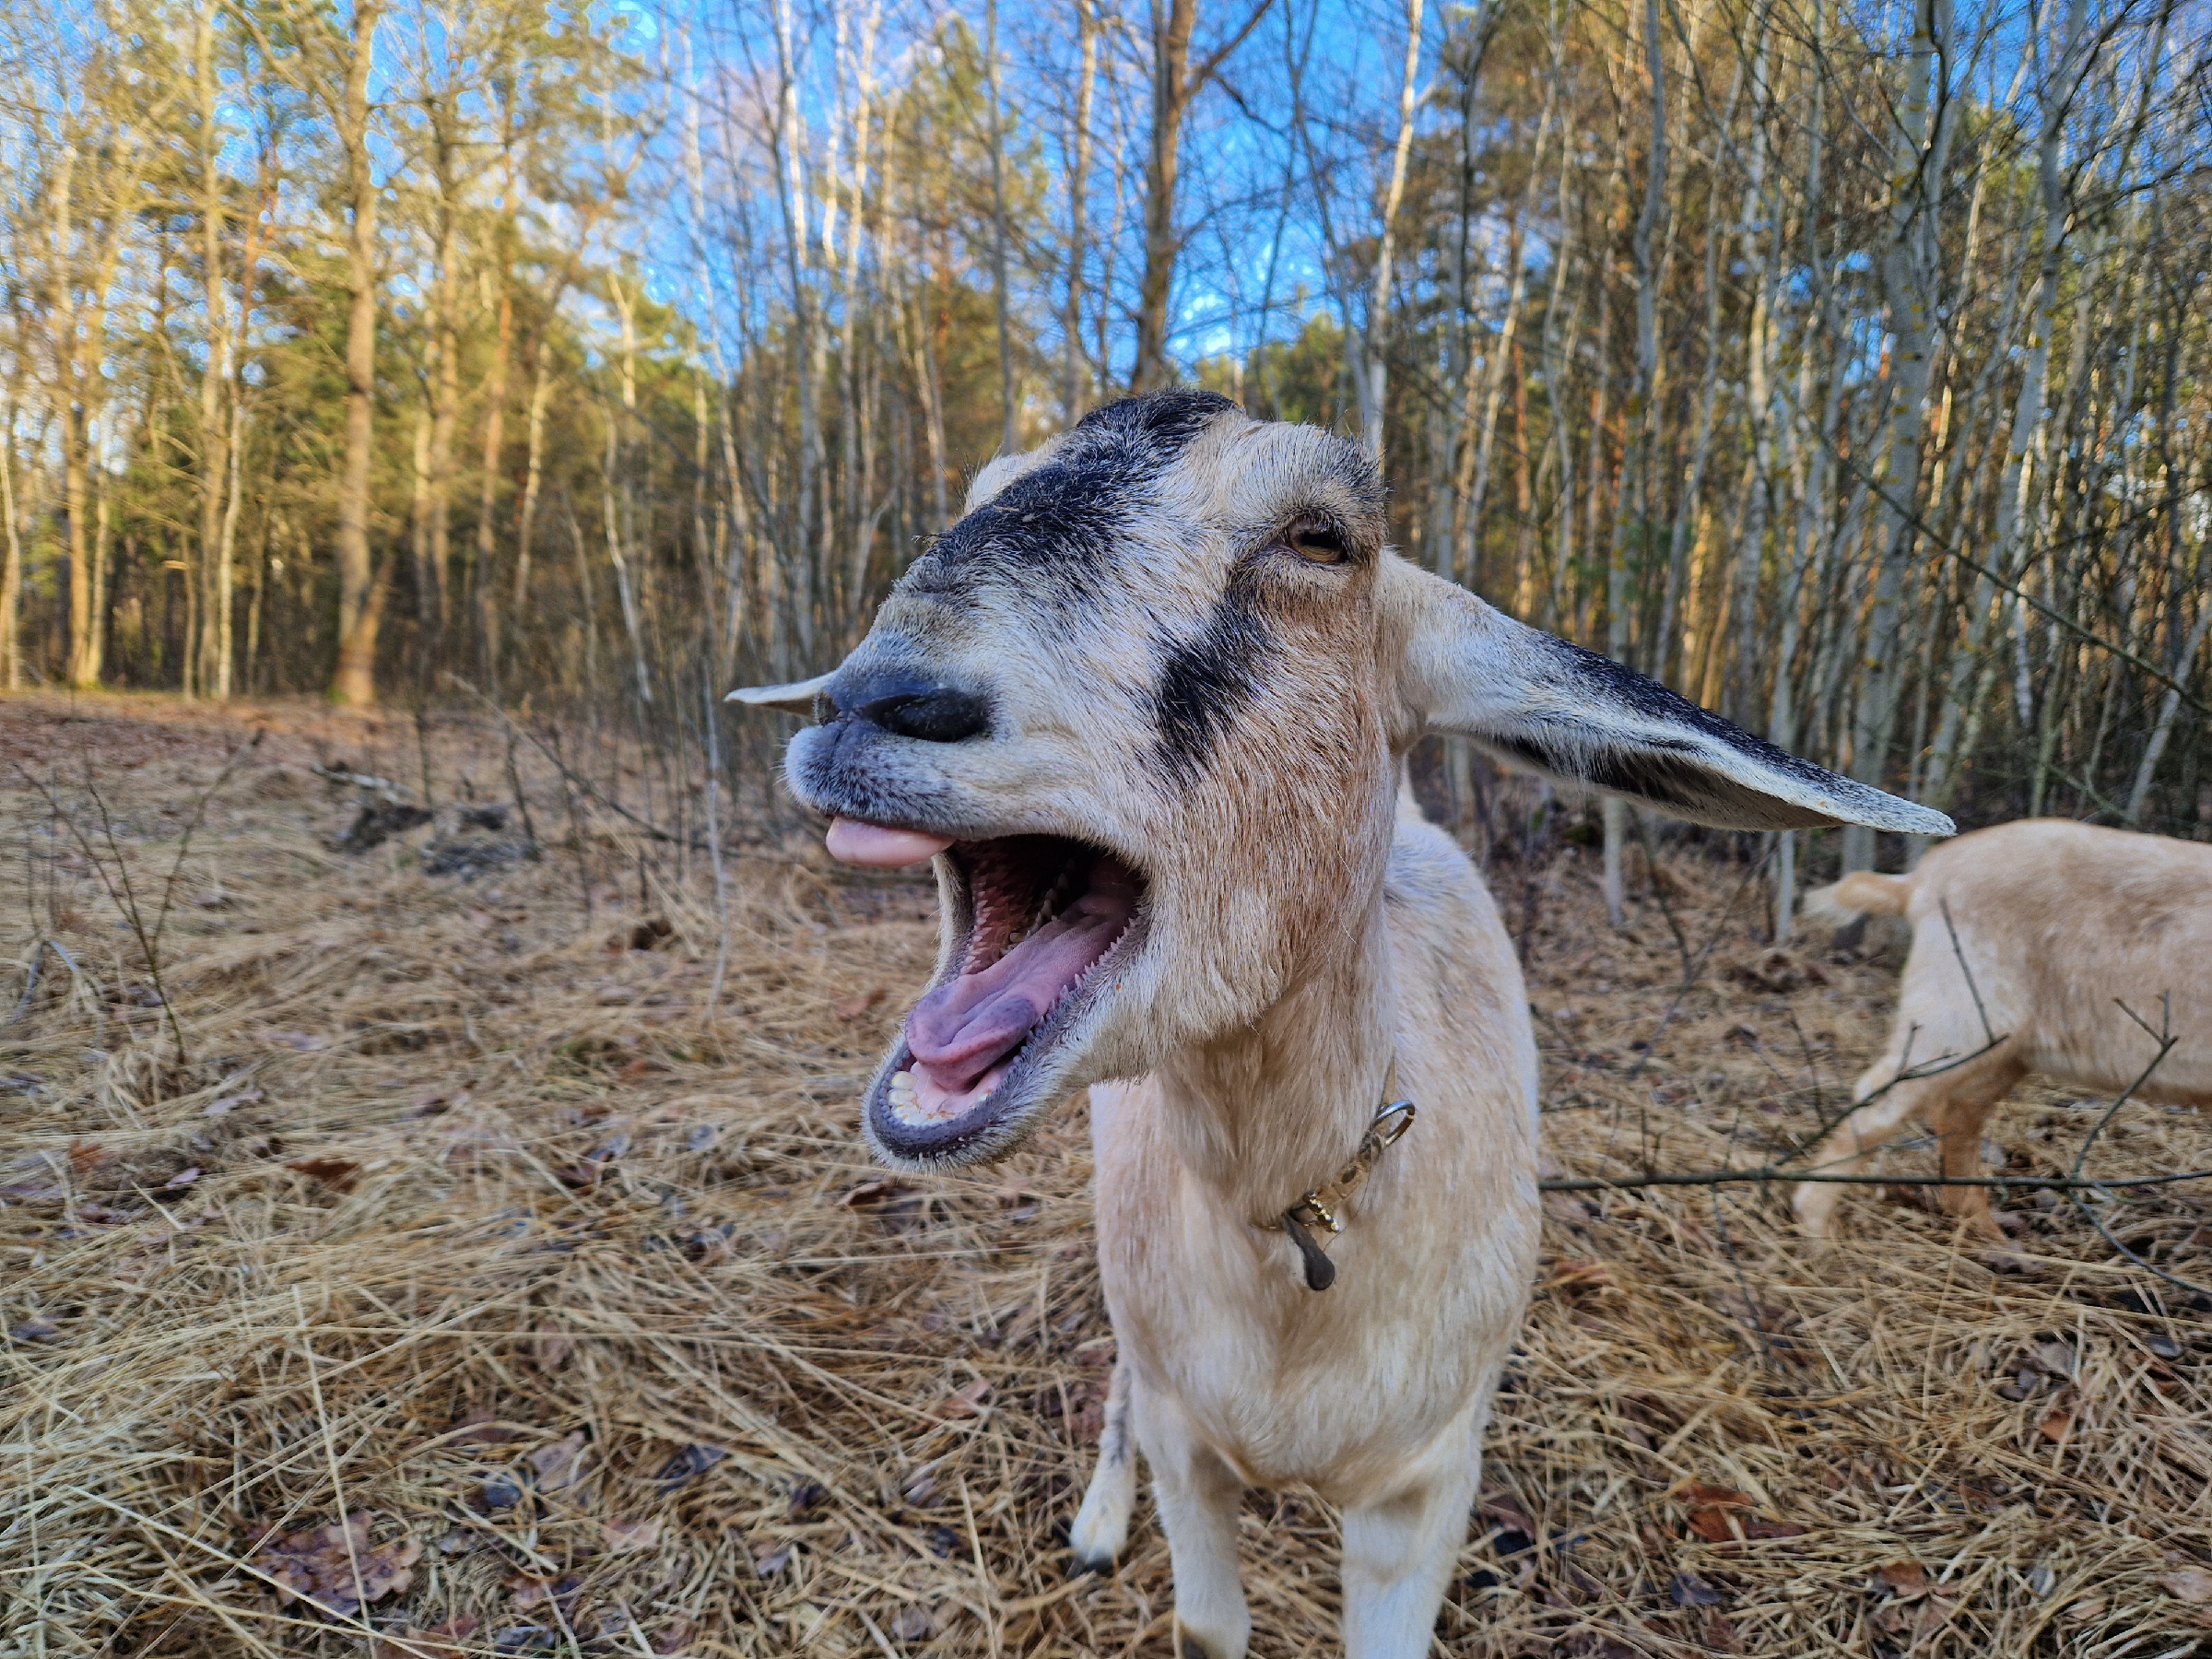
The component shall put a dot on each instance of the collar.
(1321, 1211)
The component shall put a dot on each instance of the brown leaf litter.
(684, 1397)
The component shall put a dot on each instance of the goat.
(2032, 944)
(1146, 705)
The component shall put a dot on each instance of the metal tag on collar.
(1321, 1273)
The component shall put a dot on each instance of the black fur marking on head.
(1165, 420)
(1205, 679)
(1053, 528)
(1602, 677)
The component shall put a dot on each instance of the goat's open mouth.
(1041, 927)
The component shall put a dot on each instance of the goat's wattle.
(961, 1031)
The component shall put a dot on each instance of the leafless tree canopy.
(1842, 364)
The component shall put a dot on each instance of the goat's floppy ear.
(1545, 705)
(794, 699)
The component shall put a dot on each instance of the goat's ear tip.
(1894, 812)
(794, 699)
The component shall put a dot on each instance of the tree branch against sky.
(352, 345)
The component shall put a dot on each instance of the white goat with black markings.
(2042, 946)
(1145, 704)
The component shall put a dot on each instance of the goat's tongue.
(854, 843)
(964, 1028)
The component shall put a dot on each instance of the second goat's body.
(1230, 1371)
(2051, 927)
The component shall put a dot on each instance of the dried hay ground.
(585, 1303)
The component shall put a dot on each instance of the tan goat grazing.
(1145, 705)
(2060, 937)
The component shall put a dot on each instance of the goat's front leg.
(1398, 1553)
(1198, 1493)
(1102, 1523)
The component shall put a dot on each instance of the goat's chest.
(1334, 1389)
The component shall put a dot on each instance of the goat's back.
(2059, 923)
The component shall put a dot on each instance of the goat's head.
(1144, 703)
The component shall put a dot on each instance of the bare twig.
(1768, 1173)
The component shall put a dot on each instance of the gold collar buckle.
(1320, 1210)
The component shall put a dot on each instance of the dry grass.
(451, 1204)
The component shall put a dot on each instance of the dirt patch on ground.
(497, 1271)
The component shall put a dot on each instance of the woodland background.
(1841, 363)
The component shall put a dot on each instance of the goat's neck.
(1267, 1113)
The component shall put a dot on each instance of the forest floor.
(470, 1210)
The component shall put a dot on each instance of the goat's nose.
(907, 706)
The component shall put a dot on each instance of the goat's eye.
(1316, 540)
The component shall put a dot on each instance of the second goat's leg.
(1959, 1123)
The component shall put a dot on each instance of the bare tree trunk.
(360, 585)
(1503, 352)
(11, 574)
(1635, 470)
(1917, 175)
(1174, 85)
(1073, 377)
(1374, 349)
(1009, 442)
(224, 561)
(213, 463)
(495, 438)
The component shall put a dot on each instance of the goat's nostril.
(940, 715)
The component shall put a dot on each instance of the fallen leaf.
(551, 1350)
(1905, 1579)
(562, 1462)
(850, 1008)
(965, 1402)
(499, 1492)
(626, 1537)
(336, 1567)
(482, 1428)
(1712, 1515)
(2055, 1424)
(691, 1460)
(2191, 1585)
(913, 1622)
(337, 1172)
(532, 1592)
(34, 1330)
(84, 1155)
(642, 1065)
(1687, 1590)
(2054, 1358)
(306, 1042)
(1720, 1636)
(771, 1561)
(446, 1640)
(223, 1105)
(183, 1178)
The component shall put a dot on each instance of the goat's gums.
(1148, 701)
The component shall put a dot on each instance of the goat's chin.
(1041, 934)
